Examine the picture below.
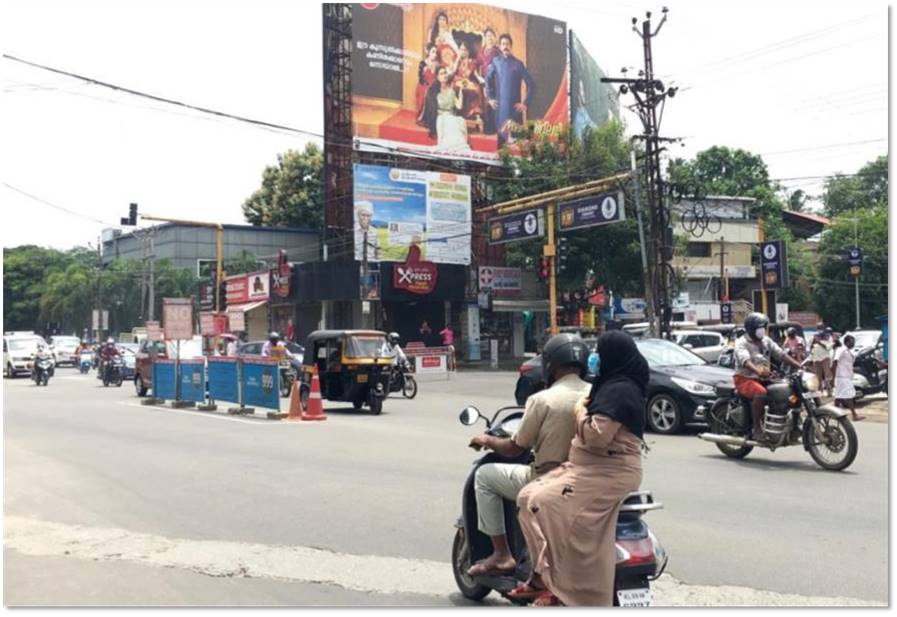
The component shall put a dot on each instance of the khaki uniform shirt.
(758, 353)
(549, 422)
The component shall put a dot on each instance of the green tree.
(291, 194)
(26, 272)
(834, 289)
(243, 263)
(867, 189)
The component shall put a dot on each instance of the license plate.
(363, 378)
(634, 597)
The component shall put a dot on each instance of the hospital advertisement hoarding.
(396, 208)
(592, 103)
(458, 81)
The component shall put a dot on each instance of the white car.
(17, 352)
(708, 345)
(64, 348)
(863, 339)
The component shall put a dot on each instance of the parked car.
(64, 348)
(680, 389)
(17, 351)
(149, 350)
(708, 345)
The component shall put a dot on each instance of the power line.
(56, 206)
(840, 145)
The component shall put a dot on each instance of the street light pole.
(856, 279)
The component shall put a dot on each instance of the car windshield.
(665, 353)
(23, 344)
(365, 346)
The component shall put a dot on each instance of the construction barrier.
(224, 379)
(260, 381)
(164, 382)
(192, 378)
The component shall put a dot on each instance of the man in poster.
(364, 214)
(504, 78)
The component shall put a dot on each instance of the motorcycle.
(85, 363)
(288, 375)
(870, 374)
(113, 371)
(401, 380)
(42, 370)
(640, 558)
(792, 416)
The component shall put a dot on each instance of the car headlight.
(693, 387)
(811, 382)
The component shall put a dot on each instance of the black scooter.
(870, 374)
(640, 557)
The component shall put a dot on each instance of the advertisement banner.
(591, 211)
(473, 332)
(248, 287)
(592, 102)
(280, 276)
(458, 81)
(193, 380)
(223, 376)
(518, 226)
(855, 261)
(236, 321)
(774, 264)
(261, 383)
(163, 379)
(399, 208)
(177, 318)
(207, 324)
(500, 279)
(414, 275)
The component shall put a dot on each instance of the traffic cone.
(295, 402)
(315, 410)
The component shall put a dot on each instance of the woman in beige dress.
(569, 515)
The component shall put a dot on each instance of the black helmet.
(564, 350)
(792, 331)
(393, 338)
(754, 321)
(273, 337)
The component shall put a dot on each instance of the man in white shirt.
(843, 370)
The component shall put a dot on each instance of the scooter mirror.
(469, 416)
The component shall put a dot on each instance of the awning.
(246, 307)
(514, 306)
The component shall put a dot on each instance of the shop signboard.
(280, 276)
(248, 287)
(399, 208)
(177, 318)
(774, 264)
(518, 226)
(415, 276)
(592, 211)
(207, 324)
(398, 50)
(500, 279)
(236, 321)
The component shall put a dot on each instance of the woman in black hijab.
(569, 515)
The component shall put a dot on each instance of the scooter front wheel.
(460, 564)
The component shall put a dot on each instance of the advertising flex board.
(591, 211)
(592, 103)
(414, 275)
(248, 287)
(447, 79)
(177, 318)
(397, 208)
(774, 264)
(517, 226)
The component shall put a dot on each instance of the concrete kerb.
(212, 409)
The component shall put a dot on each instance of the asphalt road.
(87, 465)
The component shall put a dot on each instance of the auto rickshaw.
(353, 366)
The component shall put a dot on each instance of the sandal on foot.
(525, 591)
(480, 569)
(546, 598)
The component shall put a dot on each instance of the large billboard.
(592, 102)
(456, 81)
(397, 208)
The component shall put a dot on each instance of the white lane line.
(213, 415)
(367, 573)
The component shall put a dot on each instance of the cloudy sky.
(805, 84)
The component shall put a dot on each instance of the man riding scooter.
(753, 351)
(547, 427)
(107, 352)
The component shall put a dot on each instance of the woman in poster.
(426, 77)
(441, 114)
(469, 81)
(441, 36)
(485, 55)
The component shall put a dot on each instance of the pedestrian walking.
(845, 393)
(448, 340)
(820, 356)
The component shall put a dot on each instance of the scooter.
(870, 374)
(42, 371)
(640, 557)
(85, 363)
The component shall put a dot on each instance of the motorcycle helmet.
(792, 331)
(753, 322)
(393, 338)
(110, 341)
(273, 337)
(564, 350)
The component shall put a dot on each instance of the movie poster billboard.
(396, 208)
(592, 102)
(457, 81)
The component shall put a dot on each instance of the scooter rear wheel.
(460, 564)
(409, 390)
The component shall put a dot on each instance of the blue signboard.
(163, 379)
(519, 226)
(261, 383)
(600, 209)
(774, 264)
(193, 380)
(223, 377)
(855, 261)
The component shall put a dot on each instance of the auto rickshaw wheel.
(376, 404)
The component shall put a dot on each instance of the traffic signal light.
(563, 251)
(544, 269)
(131, 219)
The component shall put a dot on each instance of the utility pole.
(856, 279)
(646, 273)
(650, 95)
(151, 309)
(723, 282)
(364, 275)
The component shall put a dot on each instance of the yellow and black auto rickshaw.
(353, 366)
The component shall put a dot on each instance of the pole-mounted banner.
(518, 226)
(855, 261)
(591, 211)
(774, 264)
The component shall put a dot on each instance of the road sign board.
(177, 318)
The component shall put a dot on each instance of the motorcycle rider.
(42, 352)
(394, 350)
(548, 427)
(107, 352)
(753, 351)
(794, 345)
(275, 348)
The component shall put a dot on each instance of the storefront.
(249, 295)
(513, 310)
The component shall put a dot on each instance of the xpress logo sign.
(415, 276)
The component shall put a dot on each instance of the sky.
(804, 84)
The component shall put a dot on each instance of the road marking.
(366, 573)
(258, 421)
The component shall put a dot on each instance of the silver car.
(708, 345)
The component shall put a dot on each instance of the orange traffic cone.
(295, 403)
(315, 409)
